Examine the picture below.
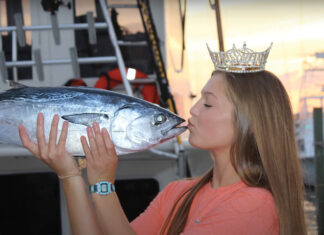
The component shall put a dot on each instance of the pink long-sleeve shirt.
(233, 209)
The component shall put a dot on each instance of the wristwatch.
(102, 188)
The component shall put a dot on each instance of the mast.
(216, 7)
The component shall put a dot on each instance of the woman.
(254, 187)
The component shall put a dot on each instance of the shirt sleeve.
(151, 220)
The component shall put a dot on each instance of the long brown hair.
(263, 153)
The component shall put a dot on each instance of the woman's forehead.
(214, 85)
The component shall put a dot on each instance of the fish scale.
(134, 124)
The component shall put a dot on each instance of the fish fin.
(126, 106)
(86, 119)
(14, 84)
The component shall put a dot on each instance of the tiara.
(242, 60)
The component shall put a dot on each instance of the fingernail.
(40, 116)
(96, 126)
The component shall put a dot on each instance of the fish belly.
(13, 114)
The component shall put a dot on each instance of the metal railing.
(18, 35)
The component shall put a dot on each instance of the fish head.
(146, 126)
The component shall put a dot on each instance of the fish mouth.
(175, 130)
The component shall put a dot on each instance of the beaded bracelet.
(81, 166)
(69, 176)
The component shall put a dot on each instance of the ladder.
(159, 78)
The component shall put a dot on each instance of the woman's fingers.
(92, 142)
(26, 141)
(108, 143)
(99, 141)
(54, 155)
(86, 148)
(53, 135)
(62, 141)
(100, 144)
(41, 142)
(103, 163)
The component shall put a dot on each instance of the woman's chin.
(193, 143)
(198, 143)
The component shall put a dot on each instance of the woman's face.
(211, 124)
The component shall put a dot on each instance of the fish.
(133, 124)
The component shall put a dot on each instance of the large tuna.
(134, 124)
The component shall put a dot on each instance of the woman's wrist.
(102, 188)
(67, 176)
(70, 174)
(94, 180)
(73, 181)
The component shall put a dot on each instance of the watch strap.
(102, 188)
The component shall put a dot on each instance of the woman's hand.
(52, 153)
(100, 154)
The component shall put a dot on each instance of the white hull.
(138, 166)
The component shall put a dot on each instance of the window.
(128, 26)
(301, 145)
(8, 9)
(30, 204)
(136, 195)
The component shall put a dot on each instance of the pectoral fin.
(86, 119)
(15, 85)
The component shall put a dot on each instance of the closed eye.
(207, 105)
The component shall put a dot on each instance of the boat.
(48, 43)
(310, 96)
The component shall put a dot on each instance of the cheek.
(214, 131)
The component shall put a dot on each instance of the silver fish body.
(133, 124)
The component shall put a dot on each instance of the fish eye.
(159, 119)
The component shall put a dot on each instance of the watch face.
(104, 188)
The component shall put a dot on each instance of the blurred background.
(296, 28)
(183, 27)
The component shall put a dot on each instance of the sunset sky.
(296, 29)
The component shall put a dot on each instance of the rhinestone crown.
(242, 60)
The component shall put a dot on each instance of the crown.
(242, 60)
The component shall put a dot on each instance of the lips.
(190, 123)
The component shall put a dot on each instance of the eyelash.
(207, 106)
